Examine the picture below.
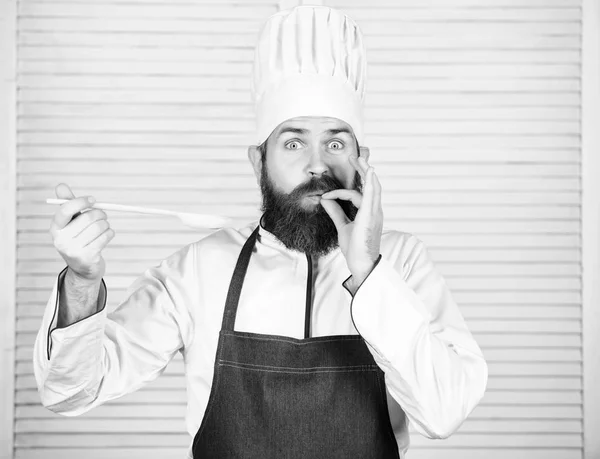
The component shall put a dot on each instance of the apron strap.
(237, 280)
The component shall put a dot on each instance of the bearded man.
(312, 333)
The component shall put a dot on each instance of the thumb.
(335, 212)
(63, 191)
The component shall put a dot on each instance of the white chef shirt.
(434, 369)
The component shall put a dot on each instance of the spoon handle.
(122, 208)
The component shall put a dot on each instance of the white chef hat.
(309, 61)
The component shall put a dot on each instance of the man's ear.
(364, 152)
(254, 155)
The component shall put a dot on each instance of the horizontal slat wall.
(8, 229)
(134, 102)
(473, 123)
(474, 127)
(590, 208)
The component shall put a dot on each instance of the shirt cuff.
(345, 283)
(90, 324)
(387, 313)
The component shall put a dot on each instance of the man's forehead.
(313, 125)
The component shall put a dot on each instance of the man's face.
(307, 148)
(302, 159)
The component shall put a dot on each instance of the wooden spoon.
(196, 221)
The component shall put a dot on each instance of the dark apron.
(286, 398)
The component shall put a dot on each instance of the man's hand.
(80, 234)
(359, 240)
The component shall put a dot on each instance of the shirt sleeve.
(107, 355)
(433, 367)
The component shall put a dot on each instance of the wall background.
(474, 116)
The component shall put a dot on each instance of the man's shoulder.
(223, 241)
(400, 247)
(392, 239)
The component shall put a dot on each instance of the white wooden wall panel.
(473, 121)
(140, 102)
(8, 229)
(590, 226)
(474, 127)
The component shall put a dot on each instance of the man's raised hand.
(359, 240)
(79, 234)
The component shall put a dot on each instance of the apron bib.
(287, 398)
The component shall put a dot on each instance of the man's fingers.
(96, 236)
(101, 241)
(364, 165)
(353, 160)
(369, 192)
(346, 195)
(68, 210)
(361, 165)
(336, 213)
(63, 191)
(81, 222)
(377, 193)
(370, 186)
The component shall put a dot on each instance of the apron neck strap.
(237, 280)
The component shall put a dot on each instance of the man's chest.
(275, 297)
(274, 300)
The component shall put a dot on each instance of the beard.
(307, 229)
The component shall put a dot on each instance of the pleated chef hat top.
(309, 61)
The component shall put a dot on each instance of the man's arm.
(433, 367)
(99, 357)
(78, 299)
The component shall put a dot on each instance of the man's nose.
(316, 165)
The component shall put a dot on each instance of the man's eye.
(335, 145)
(293, 145)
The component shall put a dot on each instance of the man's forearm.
(78, 299)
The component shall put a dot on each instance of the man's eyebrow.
(338, 131)
(301, 131)
(293, 130)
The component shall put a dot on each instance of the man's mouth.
(317, 193)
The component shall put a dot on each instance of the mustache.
(321, 184)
